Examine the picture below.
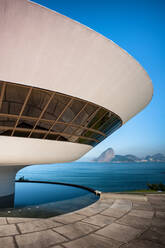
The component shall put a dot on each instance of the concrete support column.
(7, 185)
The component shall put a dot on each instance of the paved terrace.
(116, 220)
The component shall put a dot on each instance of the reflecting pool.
(43, 200)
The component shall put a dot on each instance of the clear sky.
(138, 26)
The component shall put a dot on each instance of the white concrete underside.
(16, 153)
(28, 151)
(42, 48)
(7, 179)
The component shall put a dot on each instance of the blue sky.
(138, 26)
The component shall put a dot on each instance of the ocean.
(105, 177)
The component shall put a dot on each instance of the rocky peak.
(106, 156)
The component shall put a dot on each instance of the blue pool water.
(106, 177)
(43, 200)
(29, 194)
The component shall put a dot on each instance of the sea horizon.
(105, 177)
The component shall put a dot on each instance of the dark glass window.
(13, 99)
(42, 114)
(36, 103)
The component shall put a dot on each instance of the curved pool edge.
(27, 205)
(96, 192)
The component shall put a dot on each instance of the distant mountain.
(125, 158)
(106, 156)
(109, 156)
(159, 157)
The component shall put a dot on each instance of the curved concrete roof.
(45, 49)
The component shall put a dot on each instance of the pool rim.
(96, 192)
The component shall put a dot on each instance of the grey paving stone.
(100, 206)
(3, 221)
(124, 205)
(56, 246)
(75, 230)
(99, 220)
(7, 242)
(116, 213)
(142, 213)
(8, 230)
(142, 206)
(158, 229)
(142, 244)
(41, 239)
(88, 211)
(13, 220)
(134, 221)
(160, 214)
(153, 236)
(159, 222)
(132, 197)
(107, 201)
(134, 201)
(156, 197)
(159, 207)
(37, 225)
(157, 203)
(68, 218)
(119, 232)
(93, 241)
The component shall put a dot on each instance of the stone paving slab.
(159, 222)
(100, 220)
(3, 221)
(154, 236)
(142, 206)
(7, 242)
(160, 214)
(89, 211)
(142, 213)
(57, 246)
(93, 241)
(123, 205)
(127, 233)
(109, 201)
(41, 239)
(116, 220)
(159, 207)
(142, 244)
(101, 205)
(8, 230)
(68, 218)
(134, 221)
(157, 201)
(38, 225)
(13, 220)
(116, 213)
(158, 229)
(76, 230)
(131, 197)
